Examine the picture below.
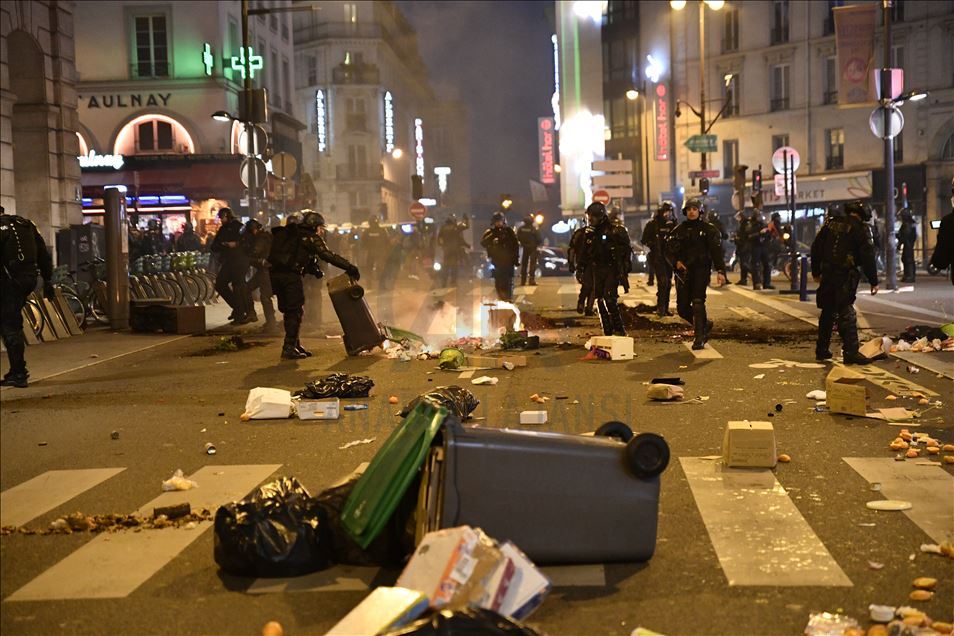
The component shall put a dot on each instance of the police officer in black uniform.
(296, 250)
(257, 244)
(529, 238)
(842, 245)
(907, 236)
(655, 235)
(453, 247)
(23, 253)
(503, 249)
(760, 239)
(743, 247)
(230, 281)
(605, 251)
(695, 248)
(374, 242)
(584, 275)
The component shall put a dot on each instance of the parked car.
(552, 261)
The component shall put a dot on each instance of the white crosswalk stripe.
(43, 493)
(708, 353)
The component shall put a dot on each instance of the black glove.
(48, 290)
(353, 273)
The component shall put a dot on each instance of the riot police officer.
(695, 247)
(605, 252)
(584, 275)
(257, 244)
(453, 247)
(655, 235)
(907, 236)
(23, 253)
(295, 252)
(230, 281)
(842, 245)
(743, 247)
(760, 239)
(503, 250)
(529, 238)
(374, 242)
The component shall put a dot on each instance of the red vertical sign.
(661, 115)
(546, 141)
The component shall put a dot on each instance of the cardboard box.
(528, 587)
(846, 392)
(382, 610)
(179, 319)
(619, 347)
(533, 417)
(749, 445)
(496, 362)
(318, 409)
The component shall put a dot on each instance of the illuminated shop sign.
(255, 62)
(208, 61)
(130, 100)
(661, 118)
(93, 160)
(388, 122)
(546, 147)
(419, 145)
(320, 126)
(442, 172)
(555, 98)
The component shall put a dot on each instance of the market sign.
(419, 145)
(388, 122)
(661, 119)
(546, 147)
(93, 160)
(818, 189)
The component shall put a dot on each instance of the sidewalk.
(50, 359)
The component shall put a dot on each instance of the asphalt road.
(168, 402)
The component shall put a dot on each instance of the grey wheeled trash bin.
(560, 498)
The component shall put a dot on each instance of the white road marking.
(927, 361)
(569, 289)
(43, 493)
(466, 375)
(778, 305)
(929, 489)
(891, 382)
(114, 565)
(526, 290)
(757, 532)
(749, 313)
(340, 578)
(908, 307)
(709, 353)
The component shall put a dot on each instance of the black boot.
(698, 326)
(290, 346)
(848, 330)
(579, 307)
(301, 349)
(826, 321)
(16, 351)
(606, 321)
(708, 331)
(616, 317)
(289, 352)
(18, 380)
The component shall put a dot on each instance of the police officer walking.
(743, 247)
(842, 246)
(257, 244)
(230, 281)
(23, 254)
(584, 275)
(760, 239)
(907, 235)
(374, 242)
(695, 247)
(606, 251)
(503, 250)
(655, 235)
(295, 252)
(453, 247)
(529, 238)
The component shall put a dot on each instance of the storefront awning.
(196, 180)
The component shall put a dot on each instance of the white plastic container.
(319, 409)
(533, 417)
(619, 347)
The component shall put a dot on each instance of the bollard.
(117, 259)
(803, 279)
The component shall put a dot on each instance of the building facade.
(39, 174)
(373, 118)
(147, 94)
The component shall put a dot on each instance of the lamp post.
(715, 5)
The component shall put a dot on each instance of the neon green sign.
(255, 62)
(207, 60)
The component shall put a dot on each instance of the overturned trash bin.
(361, 332)
(561, 498)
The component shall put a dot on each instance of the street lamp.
(397, 153)
(222, 116)
(632, 94)
(715, 5)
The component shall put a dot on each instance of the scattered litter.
(913, 369)
(561, 397)
(817, 394)
(891, 398)
(539, 399)
(356, 407)
(509, 366)
(202, 431)
(273, 628)
(485, 379)
(41, 443)
(265, 403)
(921, 595)
(665, 392)
(340, 385)
(924, 583)
(455, 399)
(758, 377)
(172, 512)
(317, 409)
(393, 399)
(533, 417)
(881, 613)
(210, 448)
(357, 442)
(784, 458)
(668, 380)
(221, 413)
(335, 336)
(826, 624)
(618, 347)
(94, 355)
(778, 408)
(450, 358)
(875, 487)
(931, 548)
(889, 505)
(874, 565)
(178, 482)
(114, 435)
(864, 524)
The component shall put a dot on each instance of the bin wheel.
(616, 430)
(356, 292)
(647, 455)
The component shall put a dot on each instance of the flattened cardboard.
(383, 609)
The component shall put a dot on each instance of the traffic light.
(417, 187)
(757, 181)
(738, 178)
(704, 185)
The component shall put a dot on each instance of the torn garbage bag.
(278, 532)
(455, 399)
(340, 385)
(462, 623)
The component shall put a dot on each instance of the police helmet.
(498, 216)
(694, 202)
(153, 224)
(860, 208)
(834, 211)
(226, 214)
(666, 206)
(450, 220)
(528, 220)
(293, 219)
(374, 220)
(312, 220)
(595, 213)
(252, 224)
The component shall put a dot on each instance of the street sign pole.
(793, 266)
(247, 96)
(890, 257)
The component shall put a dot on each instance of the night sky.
(497, 57)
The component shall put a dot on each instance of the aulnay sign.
(93, 160)
(130, 100)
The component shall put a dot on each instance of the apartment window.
(276, 85)
(780, 87)
(260, 76)
(152, 46)
(356, 114)
(311, 66)
(834, 148)
(780, 21)
(273, 22)
(261, 16)
(947, 153)
(286, 83)
(732, 93)
(619, 68)
(779, 141)
(632, 118)
(831, 80)
(897, 56)
(357, 161)
(897, 11)
(285, 20)
(730, 156)
(154, 136)
(829, 26)
(350, 12)
(730, 32)
(618, 118)
(899, 148)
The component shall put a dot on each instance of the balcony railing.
(355, 74)
(779, 35)
(336, 30)
(780, 103)
(831, 97)
(834, 162)
(359, 172)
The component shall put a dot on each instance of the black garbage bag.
(279, 531)
(473, 621)
(390, 549)
(339, 385)
(455, 399)
(916, 332)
